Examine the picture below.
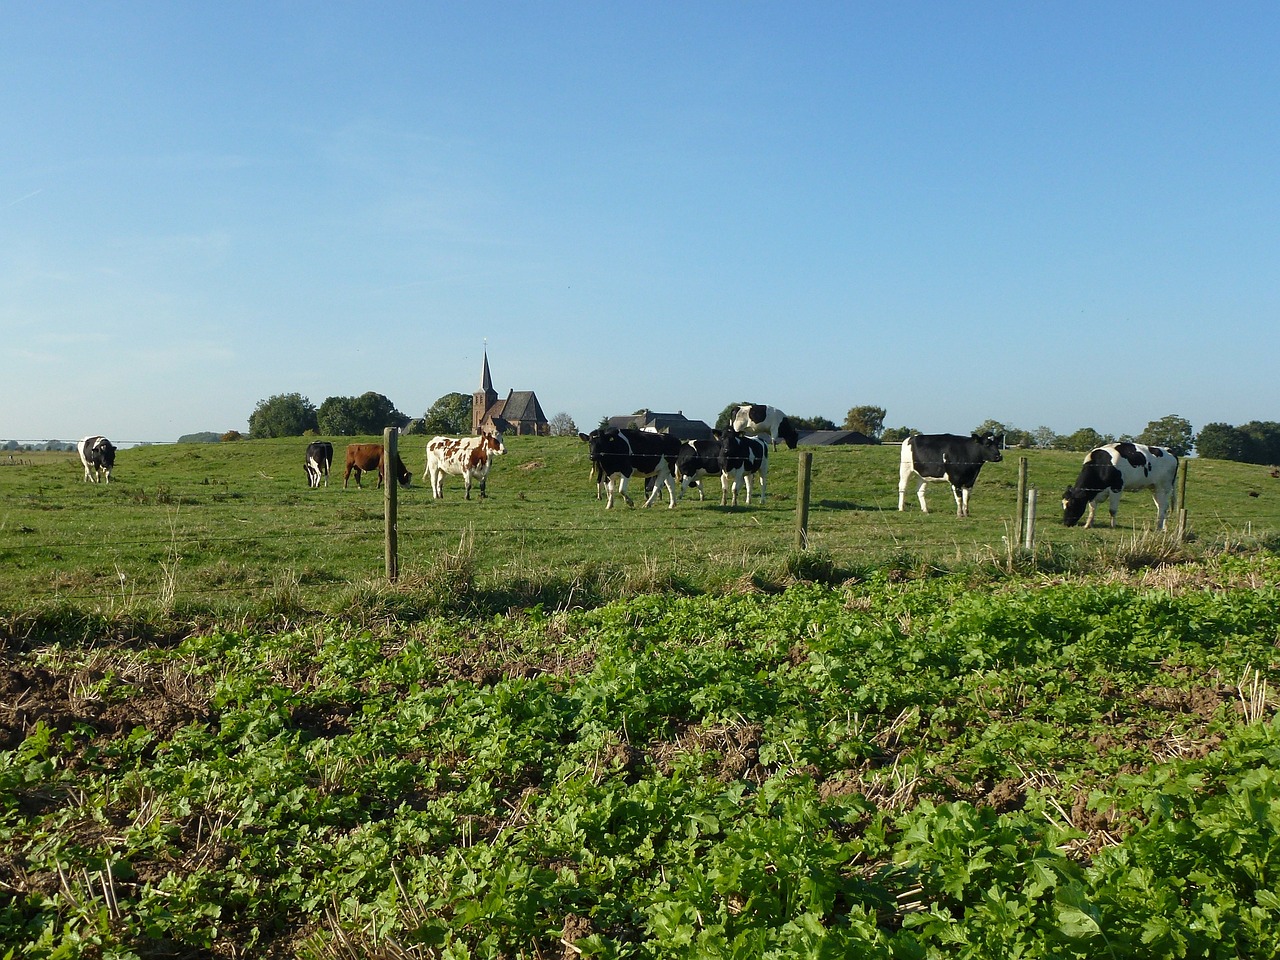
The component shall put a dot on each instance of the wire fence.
(64, 545)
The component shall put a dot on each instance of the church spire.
(483, 400)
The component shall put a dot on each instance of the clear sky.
(1047, 214)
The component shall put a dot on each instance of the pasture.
(637, 733)
(233, 529)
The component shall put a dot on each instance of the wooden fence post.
(390, 484)
(804, 467)
(1181, 534)
(1020, 512)
(1030, 542)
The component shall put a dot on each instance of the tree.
(1043, 438)
(812, 423)
(866, 419)
(1262, 441)
(449, 414)
(897, 434)
(991, 426)
(1171, 432)
(1221, 441)
(284, 415)
(336, 418)
(351, 416)
(1086, 438)
(562, 425)
(726, 415)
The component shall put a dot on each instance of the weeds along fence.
(207, 521)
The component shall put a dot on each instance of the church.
(519, 414)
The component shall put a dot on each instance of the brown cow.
(368, 456)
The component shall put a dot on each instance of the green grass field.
(233, 527)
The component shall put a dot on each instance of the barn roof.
(676, 424)
(832, 438)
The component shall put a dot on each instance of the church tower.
(484, 398)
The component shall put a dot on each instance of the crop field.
(649, 733)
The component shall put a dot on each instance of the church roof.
(523, 405)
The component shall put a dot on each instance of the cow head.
(1074, 503)
(491, 440)
(989, 447)
(787, 431)
(106, 453)
(597, 439)
(402, 472)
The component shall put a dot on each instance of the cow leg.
(1162, 507)
(904, 481)
(924, 507)
(654, 490)
(962, 501)
(1089, 511)
(483, 493)
(1115, 507)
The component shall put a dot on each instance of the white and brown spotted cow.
(1113, 468)
(468, 457)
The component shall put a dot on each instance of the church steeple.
(484, 398)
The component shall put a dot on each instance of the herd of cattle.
(736, 454)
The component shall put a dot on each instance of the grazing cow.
(739, 458)
(1113, 468)
(618, 455)
(98, 455)
(319, 460)
(945, 456)
(757, 419)
(363, 457)
(469, 458)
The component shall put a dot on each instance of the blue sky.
(1060, 215)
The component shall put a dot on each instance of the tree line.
(293, 415)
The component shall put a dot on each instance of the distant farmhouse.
(675, 424)
(520, 413)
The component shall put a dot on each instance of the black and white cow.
(98, 455)
(739, 458)
(1113, 468)
(756, 419)
(697, 459)
(319, 460)
(945, 456)
(618, 455)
